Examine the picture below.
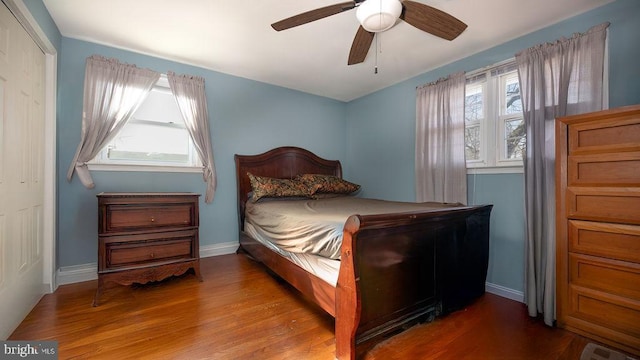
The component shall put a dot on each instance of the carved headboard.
(283, 163)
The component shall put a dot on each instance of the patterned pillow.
(328, 184)
(271, 187)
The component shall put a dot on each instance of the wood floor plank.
(240, 311)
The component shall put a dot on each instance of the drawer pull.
(153, 219)
(152, 255)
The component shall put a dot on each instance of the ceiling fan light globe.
(378, 15)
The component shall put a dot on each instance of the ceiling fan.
(380, 15)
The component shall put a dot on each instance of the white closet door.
(21, 172)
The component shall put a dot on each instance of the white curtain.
(441, 170)
(192, 101)
(112, 93)
(556, 79)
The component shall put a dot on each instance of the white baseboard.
(505, 292)
(76, 273)
(87, 272)
(219, 249)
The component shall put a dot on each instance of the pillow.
(328, 184)
(266, 199)
(271, 187)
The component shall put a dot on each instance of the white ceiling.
(235, 37)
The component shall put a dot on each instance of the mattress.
(325, 269)
(309, 231)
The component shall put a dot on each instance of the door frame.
(29, 23)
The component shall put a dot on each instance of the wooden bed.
(396, 270)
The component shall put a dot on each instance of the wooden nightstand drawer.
(141, 212)
(133, 217)
(123, 255)
(128, 251)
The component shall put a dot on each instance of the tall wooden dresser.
(145, 237)
(598, 226)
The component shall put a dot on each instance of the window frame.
(480, 162)
(492, 126)
(101, 162)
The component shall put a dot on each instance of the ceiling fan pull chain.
(375, 70)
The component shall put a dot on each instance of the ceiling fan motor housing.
(378, 15)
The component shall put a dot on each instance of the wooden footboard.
(401, 269)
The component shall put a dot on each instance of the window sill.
(518, 169)
(145, 168)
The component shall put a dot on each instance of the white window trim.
(144, 168)
(496, 170)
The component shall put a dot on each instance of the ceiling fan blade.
(431, 20)
(313, 15)
(360, 46)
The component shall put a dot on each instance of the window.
(494, 126)
(154, 138)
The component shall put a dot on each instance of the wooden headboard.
(283, 163)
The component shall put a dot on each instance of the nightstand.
(145, 237)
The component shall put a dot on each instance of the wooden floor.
(241, 312)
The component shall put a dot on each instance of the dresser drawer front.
(144, 249)
(618, 135)
(614, 315)
(604, 204)
(615, 277)
(614, 241)
(124, 255)
(605, 170)
(120, 218)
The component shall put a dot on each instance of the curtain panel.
(192, 101)
(556, 79)
(113, 91)
(440, 165)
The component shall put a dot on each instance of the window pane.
(472, 142)
(473, 103)
(159, 106)
(146, 141)
(515, 138)
(513, 103)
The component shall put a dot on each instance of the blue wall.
(48, 26)
(246, 117)
(374, 136)
(381, 131)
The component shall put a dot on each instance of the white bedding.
(300, 227)
(325, 269)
